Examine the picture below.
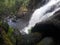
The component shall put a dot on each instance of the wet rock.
(46, 41)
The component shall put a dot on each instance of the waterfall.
(42, 13)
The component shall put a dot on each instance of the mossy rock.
(46, 41)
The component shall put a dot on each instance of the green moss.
(10, 31)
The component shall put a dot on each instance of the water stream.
(38, 15)
(42, 13)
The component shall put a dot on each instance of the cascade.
(42, 13)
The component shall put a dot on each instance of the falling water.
(43, 13)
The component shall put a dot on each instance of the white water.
(40, 14)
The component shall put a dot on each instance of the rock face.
(46, 41)
(36, 3)
(49, 28)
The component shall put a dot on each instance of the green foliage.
(9, 3)
(11, 6)
(10, 31)
(0, 23)
(5, 26)
(5, 37)
(6, 32)
(11, 35)
(26, 2)
(3, 34)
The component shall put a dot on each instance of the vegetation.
(11, 6)
(8, 35)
